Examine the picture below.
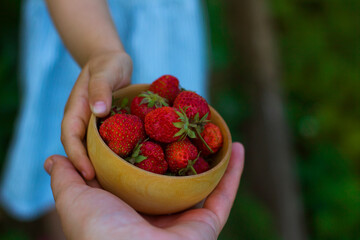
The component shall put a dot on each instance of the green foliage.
(219, 31)
(248, 220)
(14, 234)
(233, 107)
(320, 51)
(331, 193)
(8, 73)
(318, 42)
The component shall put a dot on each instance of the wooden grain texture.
(153, 193)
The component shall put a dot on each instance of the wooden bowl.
(148, 192)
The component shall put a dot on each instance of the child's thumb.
(100, 96)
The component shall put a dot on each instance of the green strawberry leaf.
(136, 151)
(178, 124)
(145, 94)
(182, 171)
(179, 114)
(153, 99)
(191, 134)
(165, 103)
(179, 133)
(124, 102)
(130, 160)
(203, 119)
(151, 104)
(140, 158)
(196, 118)
(144, 101)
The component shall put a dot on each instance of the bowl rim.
(93, 124)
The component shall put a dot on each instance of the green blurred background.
(317, 50)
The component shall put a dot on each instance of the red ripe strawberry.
(118, 110)
(146, 149)
(197, 166)
(167, 125)
(201, 165)
(117, 107)
(193, 103)
(150, 157)
(122, 132)
(213, 138)
(150, 164)
(178, 155)
(159, 124)
(153, 149)
(145, 103)
(166, 86)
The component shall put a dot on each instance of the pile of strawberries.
(166, 130)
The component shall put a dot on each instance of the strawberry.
(192, 103)
(117, 108)
(211, 134)
(201, 165)
(178, 155)
(144, 150)
(197, 166)
(150, 164)
(159, 124)
(167, 125)
(145, 103)
(122, 132)
(150, 157)
(166, 86)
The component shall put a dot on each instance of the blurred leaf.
(248, 220)
(14, 234)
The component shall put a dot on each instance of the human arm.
(88, 212)
(88, 32)
(85, 27)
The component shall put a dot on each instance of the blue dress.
(161, 36)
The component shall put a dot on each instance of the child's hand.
(92, 92)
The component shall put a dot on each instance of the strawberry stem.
(153, 99)
(193, 169)
(189, 166)
(202, 139)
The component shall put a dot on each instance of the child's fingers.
(74, 125)
(100, 95)
(107, 74)
(76, 151)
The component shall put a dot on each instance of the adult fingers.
(107, 74)
(74, 125)
(222, 198)
(93, 183)
(63, 175)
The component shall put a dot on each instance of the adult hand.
(92, 92)
(89, 212)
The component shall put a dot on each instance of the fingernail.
(84, 174)
(99, 108)
(48, 165)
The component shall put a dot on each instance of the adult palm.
(89, 212)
